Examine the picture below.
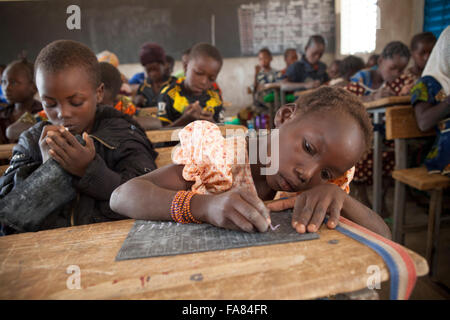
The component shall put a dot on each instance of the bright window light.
(358, 26)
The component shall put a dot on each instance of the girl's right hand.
(236, 209)
(43, 146)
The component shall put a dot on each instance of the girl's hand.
(312, 205)
(207, 115)
(68, 152)
(236, 209)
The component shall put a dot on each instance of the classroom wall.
(400, 20)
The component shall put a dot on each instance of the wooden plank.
(164, 156)
(6, 151)
(419, 178)
(3, 169)
(165, 135)
(33, 266)
(401, 123)
(388, 101)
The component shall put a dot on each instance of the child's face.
(69, 98)
(391, 68)
(17, 85)
(371, 62)
(314, 52)
(422, 53)
(201, 73)
(155, 71)
(291, 57)
(264, 60)
(333, 71)
(315, 148)
(168, 69)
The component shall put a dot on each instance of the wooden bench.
(400, 125)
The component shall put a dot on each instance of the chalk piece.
(197, 277)
(334, 241)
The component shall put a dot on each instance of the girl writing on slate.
(321, 137)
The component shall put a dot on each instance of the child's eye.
(307, 147)
(76, 103)
(326, 175)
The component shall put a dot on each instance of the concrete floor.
(425, 289)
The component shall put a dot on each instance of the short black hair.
(170, 60)
(25, 65)
(63, 54)
(326, 99)
(427, 37)
(111, 78)
(317, 39)
(206, 50)
(286, 52)
(350, 65)
(266, 51)
(395, 48)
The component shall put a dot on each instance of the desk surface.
(33, 266)
(388, 101)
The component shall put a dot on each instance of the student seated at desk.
(117, 148)
(20, 89)
(323, 135)
(309, 72)
(421, 46)
(382, 80)
(290, 57)
(333, 69)
(372, 61)
(153, 58)
(191, 98)
(264, 74)
(431, 100)
(112, 82)
(348, 67)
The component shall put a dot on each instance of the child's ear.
(285, 113)
(100, 93)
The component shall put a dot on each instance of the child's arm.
(150, 197)
(427, 115)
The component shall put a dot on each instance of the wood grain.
(388, 101)
(419, 178)
(6, 151)
(401, 123)
(33, 266)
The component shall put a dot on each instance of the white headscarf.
(438, 65)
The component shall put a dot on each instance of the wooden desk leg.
(282, 97)
(399, 193)
(377, 164)
(434, 217)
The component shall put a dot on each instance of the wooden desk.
(165, 134)
(378, 108)
(33, 266)
(6, 150)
